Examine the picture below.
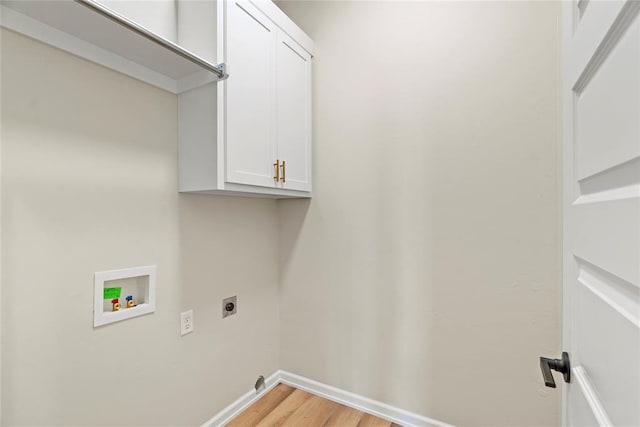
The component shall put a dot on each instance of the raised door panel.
(250, 91)
(294, 113)
(616, 86)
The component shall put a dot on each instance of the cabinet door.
(294, 113)
(250, 95)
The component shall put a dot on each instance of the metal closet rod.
(218, 70)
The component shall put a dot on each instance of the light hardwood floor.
(288, 406)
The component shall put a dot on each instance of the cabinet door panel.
(250, 90)
(294, 113)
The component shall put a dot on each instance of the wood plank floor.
(288, 406)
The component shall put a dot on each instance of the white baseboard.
(246, 400)
(361, 403)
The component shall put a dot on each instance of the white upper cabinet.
(255, 139)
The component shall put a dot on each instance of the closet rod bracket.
(224, 71)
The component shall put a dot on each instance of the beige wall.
(425, 272)
(89, 185)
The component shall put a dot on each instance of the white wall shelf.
(95, 32)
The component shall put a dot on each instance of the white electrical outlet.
(186, 322)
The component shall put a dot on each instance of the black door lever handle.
(561, 365)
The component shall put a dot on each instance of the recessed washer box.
(138, 283)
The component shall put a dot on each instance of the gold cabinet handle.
(284, 172)
(277, 166)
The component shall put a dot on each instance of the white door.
(294, 114)
(601, 283)
(250, 95)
